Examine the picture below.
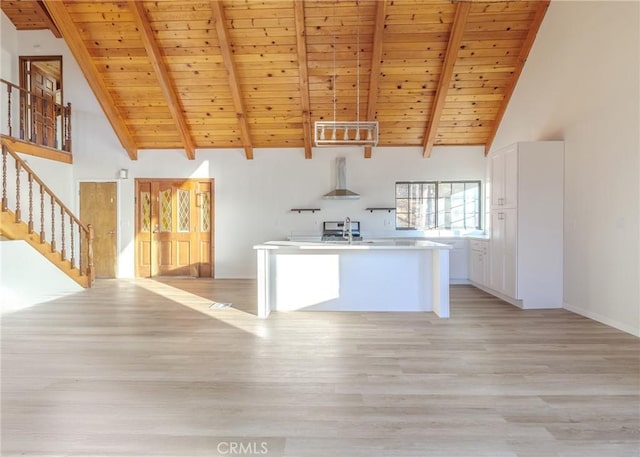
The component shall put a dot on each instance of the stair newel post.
(90, 272)
(30, 203)
(18, 170)
(63, 252)
(80, 257)
(73, 257)
(4, 179)
(53, 224)
(42, 234)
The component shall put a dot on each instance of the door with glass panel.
(174, 225)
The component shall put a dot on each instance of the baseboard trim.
(512, 301)
(602, 319)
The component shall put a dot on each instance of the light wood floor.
(135, 368)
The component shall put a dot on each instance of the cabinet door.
(503, 259)
(478, 261)
(486, 258)
(509, 252)
(476, 267)
(496, 269)
(510, 179)
(504, 178)
(497, 169)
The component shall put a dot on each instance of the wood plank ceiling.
(257, 73)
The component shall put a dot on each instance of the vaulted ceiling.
(258, 73)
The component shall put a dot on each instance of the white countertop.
(356, 245)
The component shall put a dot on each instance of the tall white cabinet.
(525, 184)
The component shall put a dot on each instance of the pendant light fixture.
(346, 133)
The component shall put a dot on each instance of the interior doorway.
(41, 76)
(98, 207)
(174, 227)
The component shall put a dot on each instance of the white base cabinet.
(479, 262)
(526, 223)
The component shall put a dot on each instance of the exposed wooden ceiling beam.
(376, 62)
(155, 56)
(457, 30)
(46, 17)
(301, 44)
(71, 36)
(522, 58)
(225, 48)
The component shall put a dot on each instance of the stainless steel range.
(341, 230)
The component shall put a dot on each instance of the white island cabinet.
(362, 276)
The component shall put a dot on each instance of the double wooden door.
(174, 227)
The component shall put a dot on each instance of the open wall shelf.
(304, 210)
(371, 210)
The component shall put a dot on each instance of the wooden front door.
(98, 207)
(174, 226)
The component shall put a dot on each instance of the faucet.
(347, 231)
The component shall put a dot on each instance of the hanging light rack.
(346, 133)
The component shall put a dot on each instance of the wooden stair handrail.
(49, 192)
(64, 109)
(64, 210)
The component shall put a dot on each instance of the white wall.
(17, 289)
(8, 64)
(252, 198)
(9, 40)
(581, 84)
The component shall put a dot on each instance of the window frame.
(436, 197)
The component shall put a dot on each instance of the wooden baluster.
(73, 257)
(33, 103)
(9, 94)
(23, 116)
(64, 128)
(18, 212)
(45, 122)
(90, 272)
(30, 203)
(54, 122)
(41, 120)
(63, 251)
(53, 224)
(67, 146)
(5, 205)
(42, 234)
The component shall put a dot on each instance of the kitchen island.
(390, 275)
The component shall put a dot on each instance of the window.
(431, 205)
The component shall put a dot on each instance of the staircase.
(61, 237)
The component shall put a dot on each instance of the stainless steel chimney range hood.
(341, 192)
